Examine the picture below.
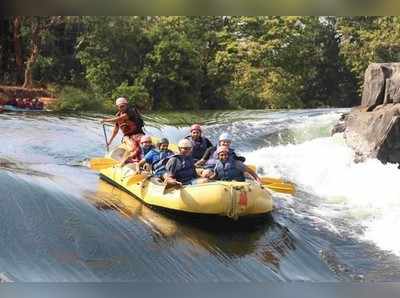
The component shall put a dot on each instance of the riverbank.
(9, 92)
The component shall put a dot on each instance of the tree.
(17, 22)
(36, 30)
(364, 40)
(172, 69)
(112, 50)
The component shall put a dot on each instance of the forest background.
(190, 63)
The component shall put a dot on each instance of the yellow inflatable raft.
(232, 199)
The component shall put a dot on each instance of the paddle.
(275, 184)
(100, 163)
(137, 178)
(105, 136)
(278, 185)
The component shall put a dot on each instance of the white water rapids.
(366, 194)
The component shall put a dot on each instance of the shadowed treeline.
(197, 62)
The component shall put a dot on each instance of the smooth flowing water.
(59, 222)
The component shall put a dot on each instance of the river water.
(59, 222)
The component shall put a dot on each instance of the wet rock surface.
(373, 128)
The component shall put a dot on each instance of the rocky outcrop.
(373, 129)
(381, 85)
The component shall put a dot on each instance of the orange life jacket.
(127, 126)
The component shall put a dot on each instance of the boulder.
(373, 129)
(381, 85)
(374, 134)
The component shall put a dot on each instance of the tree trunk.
(28, 83)
(38, 25)
(17, 21)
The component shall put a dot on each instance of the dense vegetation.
(201, 62)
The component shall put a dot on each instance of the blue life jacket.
(228, 171)
(185, 171)
(145, 151)
(199, 147)
(159, 163)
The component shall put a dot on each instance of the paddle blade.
(101, 163)
(269, 180)
(137, 178)
(278, 185)
(253, 167)
(281, 188)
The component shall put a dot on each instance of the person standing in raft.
(130, 117)
(180, 168)
(199, 143)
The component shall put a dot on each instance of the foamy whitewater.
(363, 194)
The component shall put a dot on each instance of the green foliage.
(112, 50)
(57, 61)
(171, 71)
(365, 40)
(136, 94)
(204, 62)
(72, 99)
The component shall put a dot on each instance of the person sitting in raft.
(138, 148)
(20, 103)
(210, 156)
(37, 104)
(199, 143)
(12, 102)
(128, 115)
(27, 103)
(157, 158)
(227, 169)
(146, 145)
(180, 168)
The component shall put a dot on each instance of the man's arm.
(169, 176)
(204, 158)
(123, 116)
(252, 173)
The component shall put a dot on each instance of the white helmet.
(225, 137)
(121, 100)
(185, 143)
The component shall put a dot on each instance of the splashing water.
(364, 193)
